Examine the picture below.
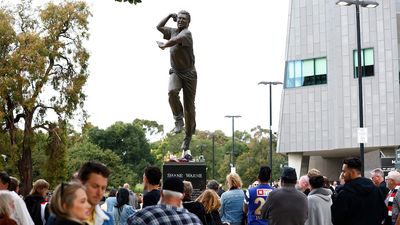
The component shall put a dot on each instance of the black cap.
(173, 184)
(289, 174)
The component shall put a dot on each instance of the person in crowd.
(21, 214)
(303, 184)
(220, 190)
(6, 208)
(313, 172)
(151, 180)
(392, 200)
(111, 201)
(231, 209)
(319, 202)
(286, 205)
(94, 176)
(69, 204)
(4, 181)
(338, 188)
(329, 185)
(256, 197)
(14, 185)
(169, 211)
(36, 203)
(378, 178)
(213, 185)
(359, 202)
(210, 201)
(192, 206)
(122, 209)
(133, 201)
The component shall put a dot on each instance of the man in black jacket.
(360, 202)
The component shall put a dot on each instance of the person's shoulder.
(7, 221)
(191, 216)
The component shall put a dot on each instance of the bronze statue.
(183, 75)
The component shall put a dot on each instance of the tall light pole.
(233, 137)
(366, 4)
(213, 155)
(270, 83)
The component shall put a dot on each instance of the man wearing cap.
(286, 205)
(392, 200)
(256, 197)
(169, 210)
(360, 202)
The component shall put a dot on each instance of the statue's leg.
(189, 93)
(174, 87)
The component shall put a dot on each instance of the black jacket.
(196, 208)
(360, 202)
(60, 221)
(33, 204)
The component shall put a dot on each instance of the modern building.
(319, 115)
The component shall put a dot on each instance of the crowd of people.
(309, 200)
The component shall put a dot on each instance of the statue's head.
(183, 19)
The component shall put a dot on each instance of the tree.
(43, 67)
(86, 151)
(130, 1)
(128, 141)
(257, 155)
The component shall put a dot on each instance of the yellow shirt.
(90, 220)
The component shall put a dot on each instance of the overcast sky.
(236, 44)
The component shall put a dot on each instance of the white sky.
(236, 44)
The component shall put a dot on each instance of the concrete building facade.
(319, 115)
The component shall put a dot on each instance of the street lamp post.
(270, 118)
(233, 136)
(366, 4)
(213, 155)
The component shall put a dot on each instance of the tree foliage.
(130, 1)
(86, 151)
(128, 141)
(43, 68)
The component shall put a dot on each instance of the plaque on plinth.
(195, 172)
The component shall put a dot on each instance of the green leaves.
(128, 141)
(130, 1)
(43, 67)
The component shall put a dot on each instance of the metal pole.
(270, 130)
(359, 73)
(233, 140)
(270, 83)
(213, 155)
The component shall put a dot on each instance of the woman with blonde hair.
(231, 210)
(69, 204)
(210, 200)
(36, 203)
(6, 208)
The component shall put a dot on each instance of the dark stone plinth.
(195, 172)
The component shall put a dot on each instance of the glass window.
(308, 68)
(297, 72)
(320, 66)
(367, 62)
(305, 72)
(290, 74)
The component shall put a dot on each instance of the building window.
(367, 62)
(305, 72)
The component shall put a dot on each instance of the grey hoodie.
(319, 207)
